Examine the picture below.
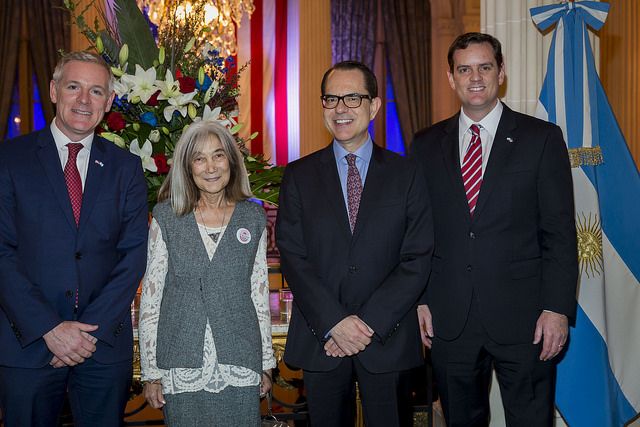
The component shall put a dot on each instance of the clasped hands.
(348, 337)
(71, 343)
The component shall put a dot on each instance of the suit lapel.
(50, 160)
(95, 176)
(328, 171)
(451, 154)
(498, 158)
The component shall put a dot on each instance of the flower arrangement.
(162, 87)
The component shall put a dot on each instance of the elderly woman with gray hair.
(205, 325)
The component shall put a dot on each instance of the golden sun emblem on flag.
(589, 231)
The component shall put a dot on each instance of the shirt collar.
(364, 152)
(489, 122)
(62, 140)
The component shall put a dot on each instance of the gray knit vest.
(219, 290)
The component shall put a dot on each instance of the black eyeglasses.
(352, 100)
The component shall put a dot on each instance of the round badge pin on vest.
(243, 235)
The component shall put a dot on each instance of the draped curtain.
(49, 31)
(353, 30)
(407, 26)
(407, 34)
(10, 22)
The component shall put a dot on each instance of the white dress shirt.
(488, 128)
(82, 161)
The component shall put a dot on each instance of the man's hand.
(352, 335)
(332, 349)
(57, 363)
(552, 329)
(71, 343)
(426, 324)
(152, 393)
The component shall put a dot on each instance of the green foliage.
(134, 31)
(138, 123)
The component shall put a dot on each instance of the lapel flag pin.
(98, 162)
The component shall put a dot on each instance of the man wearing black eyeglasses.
(355, 237)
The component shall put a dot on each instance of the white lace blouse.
(213, 376)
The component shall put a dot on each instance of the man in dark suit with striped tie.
(504, 269)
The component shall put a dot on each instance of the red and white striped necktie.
(472, 168)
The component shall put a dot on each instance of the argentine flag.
(599, 377)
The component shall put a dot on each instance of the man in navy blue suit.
(73, 240)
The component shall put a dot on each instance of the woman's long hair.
(179, 187)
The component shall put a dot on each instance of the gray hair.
(83, 56)
(179, 187)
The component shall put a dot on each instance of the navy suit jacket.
(44, 257)
(518, 253)
(378, 273)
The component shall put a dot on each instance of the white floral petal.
(168, 112)
(149, 164)
(134, 148)
(147, 148)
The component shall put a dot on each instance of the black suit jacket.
(378, 273)
(518, 253)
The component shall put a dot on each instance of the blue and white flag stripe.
(598, 379)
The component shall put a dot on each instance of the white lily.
(169, 88)
(228, 120)
(144, 153)
(121, 88)
(180, 104)
(142, 84)
(211, 115)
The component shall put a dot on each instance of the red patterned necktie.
(72, 178)
(472, 168)
(354, 189)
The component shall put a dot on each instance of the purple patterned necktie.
(354, 190)
(72, 178)
(472, 168)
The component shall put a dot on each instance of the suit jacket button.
(78, 255)
(469, 268)
(353, 269)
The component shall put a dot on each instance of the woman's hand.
(266, 382)
(152, 392)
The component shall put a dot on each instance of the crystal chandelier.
(219, 18)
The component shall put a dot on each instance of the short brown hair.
(463, 41)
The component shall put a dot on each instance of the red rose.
(153, 101)
(115, 121)
(187, 84)
(161, 163)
